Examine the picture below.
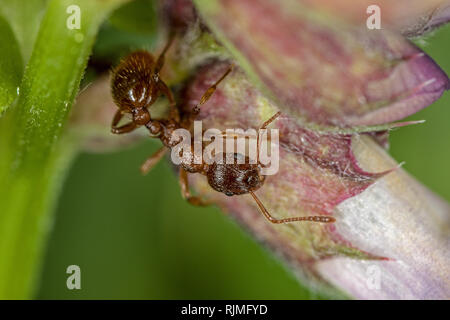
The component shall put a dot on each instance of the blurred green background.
(135, 238)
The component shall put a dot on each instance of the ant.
(136, 85)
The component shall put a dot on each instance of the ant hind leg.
(153, 160)
(323, 219)
(196, 201)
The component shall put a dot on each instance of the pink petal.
(326, 71)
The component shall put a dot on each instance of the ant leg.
(208, 93)
(271, 119)
(196, 201)
(123, 129)
(153, 160)
(161, 59)
(324, 219)
(117, 117)
(235, 135)
(168, 93)
(264, 126)
(161, 85)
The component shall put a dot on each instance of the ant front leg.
(184, 184)
(211, 91)
(167, 92)
(162, 87)
(323, 219)
(122, 129)
(153, 160)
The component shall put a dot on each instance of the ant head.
(234, 179)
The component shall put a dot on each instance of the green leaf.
(131, 27)
(24, 17)
(33, 156)
(10, 66)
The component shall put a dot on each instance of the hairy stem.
(33, 156)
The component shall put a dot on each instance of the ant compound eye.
(229, 194)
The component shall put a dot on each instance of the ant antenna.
(324, 219)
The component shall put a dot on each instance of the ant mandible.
(135, 87)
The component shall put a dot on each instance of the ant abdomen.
(132, 81)
(135, 86)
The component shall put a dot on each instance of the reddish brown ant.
(135, 87)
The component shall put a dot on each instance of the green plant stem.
(32, 155)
